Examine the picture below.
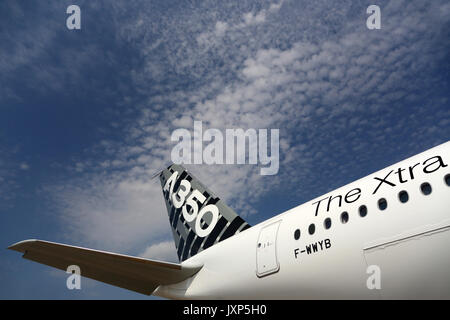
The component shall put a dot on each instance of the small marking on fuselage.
(314, 247)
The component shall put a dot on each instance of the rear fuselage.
(395, 248)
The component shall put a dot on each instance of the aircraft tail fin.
(199, 219)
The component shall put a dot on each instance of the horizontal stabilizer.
(132, 273)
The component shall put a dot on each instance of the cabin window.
(327, 223)
(297, 234)
(425, 188)
(382, 204)
(363, 211)
(447, 179)
(312, 228)
(403, 196)
(344, 217)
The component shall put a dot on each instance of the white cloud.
(164, 251)
(248, 19)
(113, 211)
(236, 77)
(221, 28)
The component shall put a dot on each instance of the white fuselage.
(399, 252)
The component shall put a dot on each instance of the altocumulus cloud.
(316, 72)
(164, 251)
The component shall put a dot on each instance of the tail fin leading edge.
(199, 219)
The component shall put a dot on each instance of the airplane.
(385, 236)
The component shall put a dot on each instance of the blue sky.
(86, 115)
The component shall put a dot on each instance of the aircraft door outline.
(266, 250)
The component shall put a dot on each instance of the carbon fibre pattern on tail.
(198, 218)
